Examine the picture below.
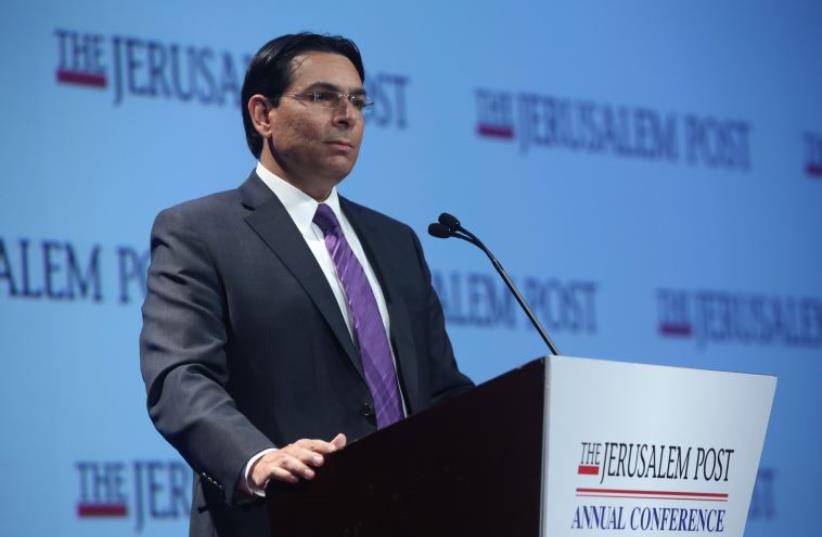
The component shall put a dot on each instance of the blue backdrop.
(649, 172)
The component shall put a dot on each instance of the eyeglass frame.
(309, 96)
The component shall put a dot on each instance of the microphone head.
(440, 231)
(450, 221)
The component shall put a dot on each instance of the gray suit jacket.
(244, 347)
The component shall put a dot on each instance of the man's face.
(316, 146)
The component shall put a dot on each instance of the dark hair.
(269, 72)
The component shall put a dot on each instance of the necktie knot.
(325, 219)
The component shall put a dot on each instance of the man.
(282, 320)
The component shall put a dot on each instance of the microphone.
(440, 231)
(449, 226)
(450, 221)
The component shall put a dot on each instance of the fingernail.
(318, 459)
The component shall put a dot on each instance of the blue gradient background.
(78, 168)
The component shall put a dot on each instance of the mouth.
(341, 144)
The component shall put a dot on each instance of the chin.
(337, 178)
(339, 172)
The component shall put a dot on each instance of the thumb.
(339, 441)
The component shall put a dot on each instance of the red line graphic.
(658, 494)
(814, 170)
(81, 79)
(495, 131)
(101, 510)
(588, 470)
(653, 498)
(674, 329)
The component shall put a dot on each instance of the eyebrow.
(332, 87)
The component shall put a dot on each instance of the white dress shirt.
(301, 208)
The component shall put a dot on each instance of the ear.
(258, 110)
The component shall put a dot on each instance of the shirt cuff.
(246, 484)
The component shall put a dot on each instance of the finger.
(319, 446)
(296, 467)
(305, 455)
(281, 474)
(339, 441)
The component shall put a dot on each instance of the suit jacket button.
(367, 410)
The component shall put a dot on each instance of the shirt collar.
(300, 206)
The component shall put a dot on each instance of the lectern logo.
(667, 467)
(142, 491)
(658, 461)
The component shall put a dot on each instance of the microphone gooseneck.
(449, 226)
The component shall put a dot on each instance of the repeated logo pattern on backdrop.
(660, 214)
(142, 492)
(545, 121)
(149, 68)
(722, 317)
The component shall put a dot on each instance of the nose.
(345, 115)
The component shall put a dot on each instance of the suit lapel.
(272, 223)
(379, 253)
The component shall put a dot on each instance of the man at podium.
(281, 319)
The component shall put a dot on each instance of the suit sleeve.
(183, 358)
(445, 378)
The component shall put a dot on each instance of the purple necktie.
(377, 363)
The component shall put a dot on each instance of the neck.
(315, 189)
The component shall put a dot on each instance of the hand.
(294, 461)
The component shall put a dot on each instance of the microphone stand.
(449, 226)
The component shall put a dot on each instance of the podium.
(559, 446)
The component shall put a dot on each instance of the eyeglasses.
(332, 99)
